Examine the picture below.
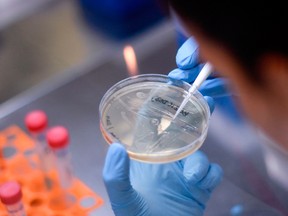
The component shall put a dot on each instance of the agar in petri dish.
(137, 112)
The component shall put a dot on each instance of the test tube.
(58, 140)
(11, 198)
(36, 122)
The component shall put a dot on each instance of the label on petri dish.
(140, 117)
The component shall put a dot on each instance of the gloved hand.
(141, 189)
(189, 66)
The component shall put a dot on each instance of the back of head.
(248, 29)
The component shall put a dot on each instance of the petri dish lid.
(137, 112)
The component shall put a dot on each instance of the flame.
(130, 59)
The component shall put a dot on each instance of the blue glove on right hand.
(189, 66)
(141, 189)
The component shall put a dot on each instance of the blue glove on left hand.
(140, 189)
(189, 66)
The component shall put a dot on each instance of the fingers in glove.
(185, 75)
(216, 87)
(116, 173)
(124, 199)
(213, 177)
(187, 56)
(211, 103)
(196, 167)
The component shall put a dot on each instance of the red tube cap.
(10, 193)
(57, 137)
(36, 121)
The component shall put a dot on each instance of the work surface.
(74, 104)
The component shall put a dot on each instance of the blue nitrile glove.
(189, 66)
(141, 189)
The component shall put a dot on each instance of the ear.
(274, 74)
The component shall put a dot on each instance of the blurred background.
(43, 38)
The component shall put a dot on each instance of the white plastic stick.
(202, 76)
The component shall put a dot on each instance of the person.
(246, 45)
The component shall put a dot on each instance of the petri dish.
(137, 112)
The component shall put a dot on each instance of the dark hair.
(248, 31)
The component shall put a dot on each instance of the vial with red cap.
(58, 140)
(36, 122)
(11, 198)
